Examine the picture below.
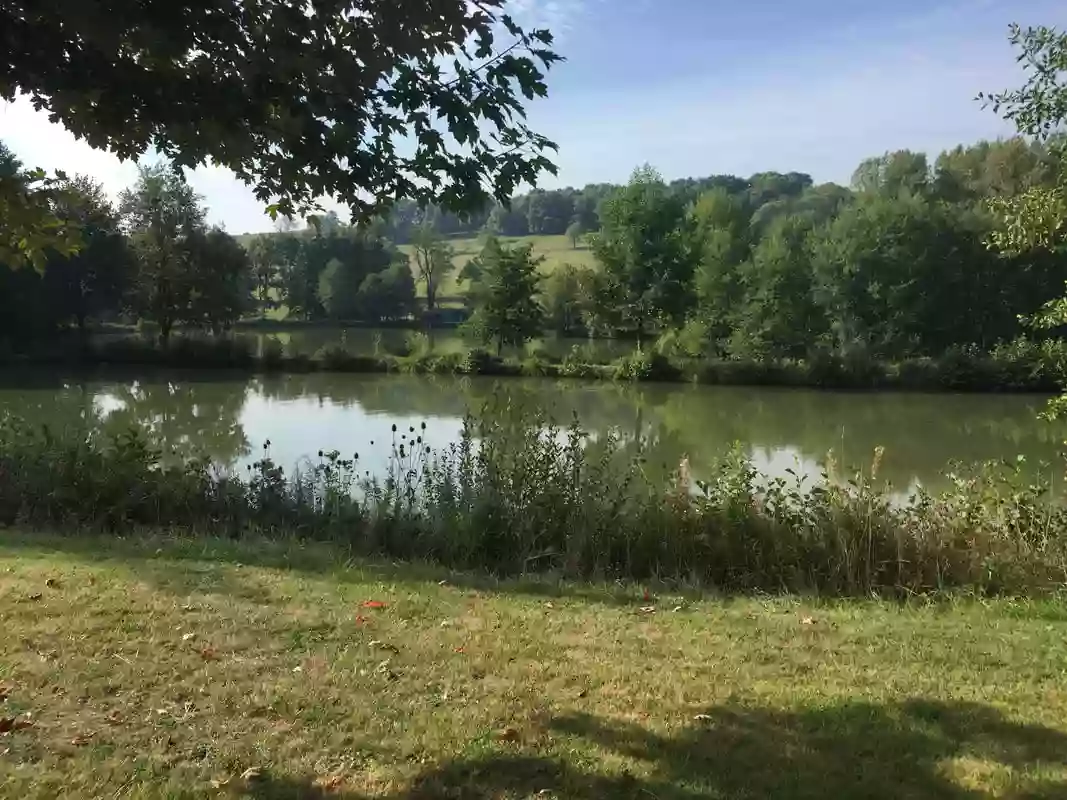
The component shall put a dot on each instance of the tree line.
(773, 266)
(557, 212)
(152, 258)
(897, 265)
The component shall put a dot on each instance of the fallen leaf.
(508, 735)
(208, 653)
(187, 636)
(373, 604)
(52, 583)
(647, 609)
(82, 739)
(8, 724)
(251, 774)
(328, 783)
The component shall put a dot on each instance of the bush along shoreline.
(1020, 366)
(521, 496)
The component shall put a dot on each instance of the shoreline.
(958, 372)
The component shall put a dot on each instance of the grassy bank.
(1020, 367)
(518, 495)
(167, 668)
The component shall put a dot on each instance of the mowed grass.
(556, 250)
(152, 668)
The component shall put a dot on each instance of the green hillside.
(556, 250)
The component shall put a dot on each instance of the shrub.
(478, 361)
(519, 494)
(645, 365)
(335, 358)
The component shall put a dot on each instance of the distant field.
(556, 250)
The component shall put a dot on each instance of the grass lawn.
(155, 668)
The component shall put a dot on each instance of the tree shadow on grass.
(854, 750)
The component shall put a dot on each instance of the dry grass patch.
(156, 668)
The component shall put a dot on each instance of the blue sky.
(697, 87)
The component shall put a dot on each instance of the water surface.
(230, 419)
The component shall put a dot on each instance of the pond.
(230, 419)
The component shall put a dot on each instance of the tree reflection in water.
(228, 419)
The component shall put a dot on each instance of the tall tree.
(388, 294)
(1037, 218)
(219, 276)
(575, 233)
(721, 239)
(92, 280)
(341, 279)
(779, 316)
(507, 309)
(433, 261)
(302, 101)
(265, 273)
(645, 251)
(893, 173)
(566, 294)
(162, 215)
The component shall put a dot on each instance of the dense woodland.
(772, 266)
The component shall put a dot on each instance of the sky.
(701, 87)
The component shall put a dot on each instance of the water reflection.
(229, 420)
